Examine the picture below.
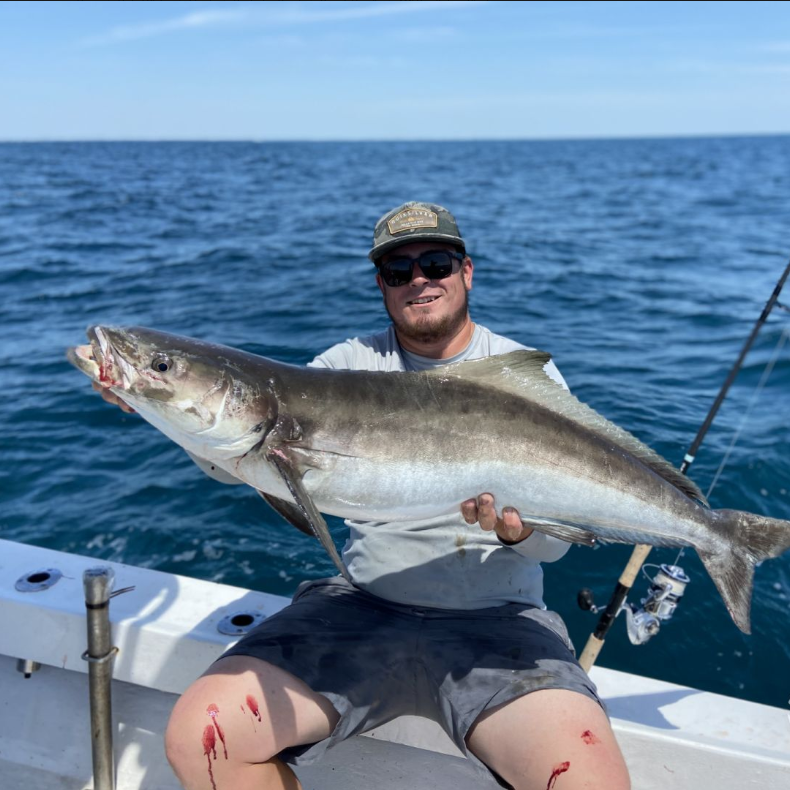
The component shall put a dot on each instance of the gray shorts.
(376, 660)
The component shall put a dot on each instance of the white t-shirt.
(440, 562)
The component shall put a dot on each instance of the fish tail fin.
(750, 539)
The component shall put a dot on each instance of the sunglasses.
(434, 265)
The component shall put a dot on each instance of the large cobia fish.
(396, 446)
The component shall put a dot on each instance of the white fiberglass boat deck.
(166, 632)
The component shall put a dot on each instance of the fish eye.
(161, 363)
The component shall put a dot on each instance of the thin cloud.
(296, 15)
(423, 35)
(358, 11)
(199, 19)
(594, 31)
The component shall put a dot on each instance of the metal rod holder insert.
(97, 583)
(27, 667)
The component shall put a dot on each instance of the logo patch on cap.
(412, 218)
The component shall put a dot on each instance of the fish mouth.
(83, 359)
(98, 360)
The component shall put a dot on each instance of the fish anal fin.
(277, 456)
(571, 533)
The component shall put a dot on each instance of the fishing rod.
(668, 585)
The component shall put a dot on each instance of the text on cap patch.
(412, 218)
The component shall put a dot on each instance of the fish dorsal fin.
(522, 373)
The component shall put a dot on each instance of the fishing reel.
(666, 589)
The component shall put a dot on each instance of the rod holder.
(27, 667)
(97, 583)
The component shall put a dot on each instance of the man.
(445, 617)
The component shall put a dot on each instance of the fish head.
(199, 394)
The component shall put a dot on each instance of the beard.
(429, 329)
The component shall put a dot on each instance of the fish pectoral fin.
(566, 531)
(310, 516)
(290, 512)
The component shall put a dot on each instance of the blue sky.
(392, 70)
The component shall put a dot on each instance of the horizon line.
(315, 140)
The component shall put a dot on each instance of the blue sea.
(640, 265)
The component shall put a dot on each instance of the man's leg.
(547, 739)
(228, 727)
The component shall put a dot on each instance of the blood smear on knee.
(213, 711)
(210, 749)
(560, 769)
(252, 704)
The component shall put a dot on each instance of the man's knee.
(247, 711)
(532, 740)
(205, 729)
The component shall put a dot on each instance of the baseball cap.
(414, 222)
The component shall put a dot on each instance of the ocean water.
(641, 265)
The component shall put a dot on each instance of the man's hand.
(111, 397)
(481, 510)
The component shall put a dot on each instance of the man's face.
(427, 311)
